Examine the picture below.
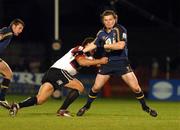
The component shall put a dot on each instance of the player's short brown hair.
(17, 21)
(109, 12)
(87, 40)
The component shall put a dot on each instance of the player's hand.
(104, 60)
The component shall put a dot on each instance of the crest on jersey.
(108, 41)
(59, 82)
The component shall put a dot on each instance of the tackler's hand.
(104, 60)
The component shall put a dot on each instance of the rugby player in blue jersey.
(6, 35)
(112, 41)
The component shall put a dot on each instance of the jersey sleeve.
(6, 33)
(78, 52)
(124, 36)
(98, 40)
(121, 33)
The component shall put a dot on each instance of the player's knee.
(95, 89)
(40, 100)
(5, 70)
(8, 74)
(136, 89)
(80, 88)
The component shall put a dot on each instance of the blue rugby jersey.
(118, 33)
(7, 32)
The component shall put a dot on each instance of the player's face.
(109, 21)
(17, 29)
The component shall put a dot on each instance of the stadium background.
(153, 35)
(154, 50)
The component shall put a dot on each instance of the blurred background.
(153, 38)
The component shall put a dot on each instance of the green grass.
(105, 114)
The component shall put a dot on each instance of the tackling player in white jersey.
(61, 73)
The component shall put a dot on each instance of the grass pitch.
(105, 114)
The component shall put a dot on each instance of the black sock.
(4, 87)
(28, 102)
(91, 97)
(140, 97)
(72, 95)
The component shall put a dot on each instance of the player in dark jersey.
(112, 41)
(61, 73)
(6, 35)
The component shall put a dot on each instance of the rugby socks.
(140, 97)
(71, 97)
(91, 97)
(4, 86)
(28, 102)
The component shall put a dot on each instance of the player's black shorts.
(115, 67)
(57, 77)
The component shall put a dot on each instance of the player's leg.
(76, 87)
(44, 93)
(131, 80)
(6, 71)
(99, 83)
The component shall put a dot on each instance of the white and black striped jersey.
(68, 61)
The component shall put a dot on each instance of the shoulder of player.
(100, 32)
(6, 32)
(77, 48)
(120, 28)
(77, 51)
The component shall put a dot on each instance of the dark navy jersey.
(118, 33)
(7, 36)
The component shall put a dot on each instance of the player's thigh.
(75, 84)
(5, 69)
(45, 91)
(131, 80)
(100, 81)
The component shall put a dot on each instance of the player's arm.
(5, 36)
(83, 61)
(120, 40)
(1, 37)
(89, 47)
(115, 46)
